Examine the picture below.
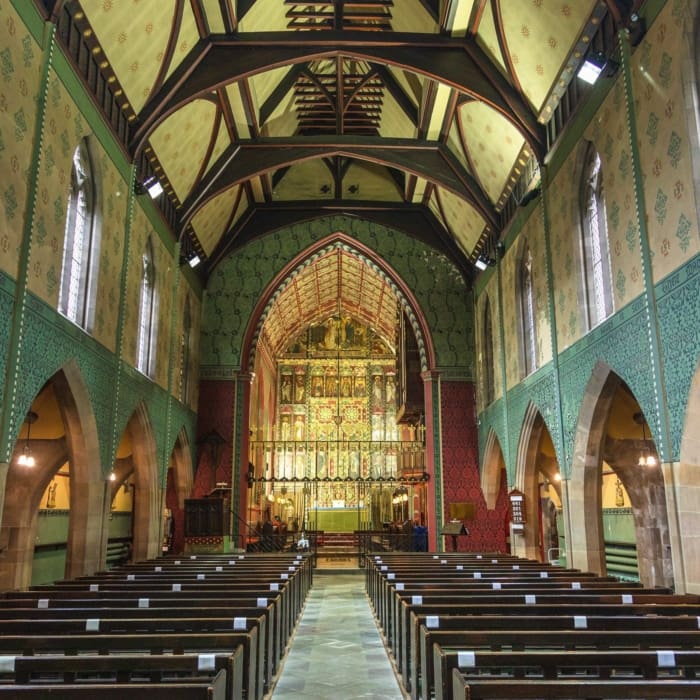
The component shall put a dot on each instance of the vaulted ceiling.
(421, 114)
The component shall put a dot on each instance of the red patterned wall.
(460, 466)
(216, 403)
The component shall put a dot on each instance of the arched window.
(185, 353)
(527, 313)
(487, 355)
(595, 253)
(148, 314)
(81, 247)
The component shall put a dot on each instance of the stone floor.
(336, 651)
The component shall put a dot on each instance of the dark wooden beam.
(415, 220)
(427, 159)
(457, 62)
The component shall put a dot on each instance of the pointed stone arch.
(530, 462)
(148, 496)
(24, 488)
(683, 497)
(493, 470)
(645, 486)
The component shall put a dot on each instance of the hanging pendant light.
(646, 458)
(26, 458)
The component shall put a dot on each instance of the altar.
(335, 519)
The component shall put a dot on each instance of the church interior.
(409, 276)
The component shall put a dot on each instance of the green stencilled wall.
(238, 283)
(624, 342)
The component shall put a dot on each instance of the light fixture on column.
(26, 459)
(646, 458)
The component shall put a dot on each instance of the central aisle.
(336, 651)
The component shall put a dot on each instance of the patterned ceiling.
(255, 114)
(336, 282)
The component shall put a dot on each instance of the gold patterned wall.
(20, 64)
(665, 150)
(490, 293)
(64, 129)
(532, 234)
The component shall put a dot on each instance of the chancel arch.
(336, 414)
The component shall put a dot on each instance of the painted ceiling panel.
(283, 121)
(493, 144)
(454, 143)
(488, 38)
(187, 38)
(412, 83)
(365, 180)
(394, 121)
(212, 11)
(262, 84)
(210, 220)
(267, 14)
(223, 140)
(461, 219)
(412, 16)
(309, 179)
(134, 37)
(182, 142)
(539, 39)
(241, 123)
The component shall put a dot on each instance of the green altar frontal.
(335, 519)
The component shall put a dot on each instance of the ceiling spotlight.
(194, 260)
(596, 62)
(484, 261)
(151, 186)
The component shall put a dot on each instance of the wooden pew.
(446, 644)
(106, 644)
(475, 689)
(425, 675)
(98, 600)
(184, 690)
(124, 668)
(418, 666)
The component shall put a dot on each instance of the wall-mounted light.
(596, 64)
(112, 476)
(26, 459)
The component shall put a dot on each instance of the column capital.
(430, 375)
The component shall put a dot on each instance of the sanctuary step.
(338, 543)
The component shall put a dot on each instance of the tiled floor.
(337, 652)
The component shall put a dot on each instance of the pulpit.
(208, 522)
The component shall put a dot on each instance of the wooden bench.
(424, 673)
(418, 659)
(447, 647)
(276, 634)
(176, 690)
(124, 668)
(106, 644)
(475, 689)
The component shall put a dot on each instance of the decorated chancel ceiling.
(337, 283)
(419, 114)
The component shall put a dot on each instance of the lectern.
(454, 528)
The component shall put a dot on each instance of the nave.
(336, 651)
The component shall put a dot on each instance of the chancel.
(384, 307)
